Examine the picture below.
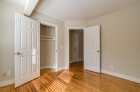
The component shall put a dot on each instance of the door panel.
(74, 47)
(24, 39)
(35, 26)
(24, 64)
(34, 40)
(94, 43)
(24, 23)
(92, 48)
(27, 44)
(94, 59)
(34, 63)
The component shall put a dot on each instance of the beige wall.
(7, 28)
(38, 16)
(80, 45)
(120, 41)
(47, 47)
(47, 30)
(75, 24)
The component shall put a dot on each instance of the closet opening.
(48, 46)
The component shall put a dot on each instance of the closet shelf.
(49, 37)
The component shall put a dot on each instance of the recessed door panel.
(34, 41)
(94, 59)
(24, 39)
(24, 23)
(87, 58)
(87, 40)
(34, 63)
(34, 26)
(94, 41)
(24, 63)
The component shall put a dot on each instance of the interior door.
(92, 48)
(75, 47)
(27, 49)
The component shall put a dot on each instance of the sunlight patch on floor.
(66, 76)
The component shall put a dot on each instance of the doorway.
(76, 45)
(67, 59)
(91, 47)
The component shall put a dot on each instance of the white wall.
(7, 30)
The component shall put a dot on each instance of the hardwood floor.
(75, 80)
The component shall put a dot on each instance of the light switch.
(61, 47)
(9, 73)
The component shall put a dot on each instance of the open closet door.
(92, 48)
(27, 49)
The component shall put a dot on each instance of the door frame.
(56, 40)
(67, 44)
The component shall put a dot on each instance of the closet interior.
(47, 46)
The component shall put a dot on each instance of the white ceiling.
(18, 2)
(78, 10)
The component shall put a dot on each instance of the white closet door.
(27, 49)
(92, 48)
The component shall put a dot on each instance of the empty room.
(69, 45)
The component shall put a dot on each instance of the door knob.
(18, 53)
(98, 51)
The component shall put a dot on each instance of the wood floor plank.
(76, 79)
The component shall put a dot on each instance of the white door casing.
(27, 43)
(74, 47)
(92, 48)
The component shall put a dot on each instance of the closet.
(47, 46)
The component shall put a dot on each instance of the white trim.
(56, 40)
(44, 67)
(47, 23)
(29, 6)
(130, 78)
(61, 68)
(8, 82)
(80, 59)
(67, 44)
(72, 62)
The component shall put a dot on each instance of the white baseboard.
(75, 61)
(80, 59)
(130, 78)
(62, 68)
(70, 61)
(8, 82)
(43, 67)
